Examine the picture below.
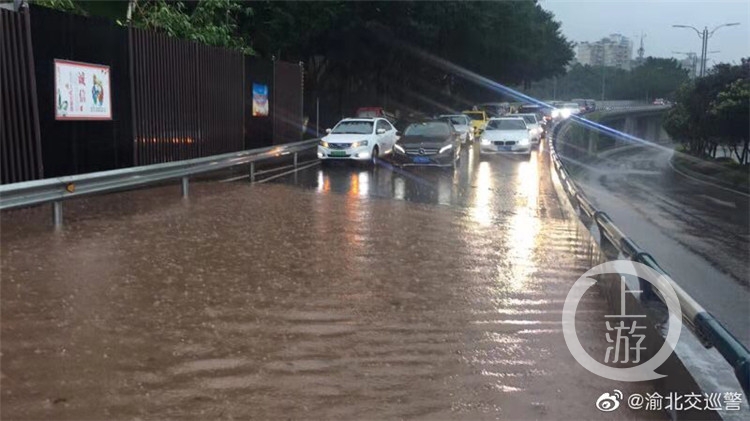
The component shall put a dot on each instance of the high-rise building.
(613, 51)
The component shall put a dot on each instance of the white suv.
(359, 139)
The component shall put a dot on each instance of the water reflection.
(523, 226)
(399, 188)
(482, 209)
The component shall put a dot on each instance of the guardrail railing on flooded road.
(56, 190)
(707, 328)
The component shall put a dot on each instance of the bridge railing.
(706, 328)
(56, 190)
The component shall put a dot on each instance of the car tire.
(375, 155)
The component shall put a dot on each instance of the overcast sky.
(591, 20)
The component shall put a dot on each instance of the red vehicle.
(374, 112)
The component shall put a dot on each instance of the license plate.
(503, 148)
(421, 160)
(337, 153)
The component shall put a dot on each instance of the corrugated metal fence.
(20, 150)
(287, 125)
(172, 99)
(188, 99)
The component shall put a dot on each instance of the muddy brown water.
(286, 302)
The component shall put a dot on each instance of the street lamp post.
(704, 35)
(694, 59)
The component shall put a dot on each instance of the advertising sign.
(82, 91)
(260, 100)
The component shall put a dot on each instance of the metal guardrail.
(708, 329)
(57, 190)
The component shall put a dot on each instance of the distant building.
(690, 63)
(613, 51)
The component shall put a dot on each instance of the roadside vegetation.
(654, 78)
(711, 122)
(711, 115)
(355, 53)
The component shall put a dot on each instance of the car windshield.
(506, 124)
(454, 119)
(475, 116)
(529, 119)
(353, 127)
(429, 129)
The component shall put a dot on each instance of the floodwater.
(337, 293)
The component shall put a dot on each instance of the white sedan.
(462, 124)
(506, 135)
(534, 126)
(359, 139)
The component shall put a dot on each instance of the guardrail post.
(184, 187)
(295, 160)
(252, 172)
(57, 214)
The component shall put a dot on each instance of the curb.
(706, 179)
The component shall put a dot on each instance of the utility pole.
(693, 57)
(704, 35)
(603, 81)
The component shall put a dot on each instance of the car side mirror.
(399, 134)
(328, 130)
(380, 131)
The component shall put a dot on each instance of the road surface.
(698, 233)
(335, 293)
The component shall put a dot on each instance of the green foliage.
(714, 110)
(354, 52)
(655, 78)
(63, 5)
(730, 111)
(211, 22)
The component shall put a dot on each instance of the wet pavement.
(699, 233)
(334, 293)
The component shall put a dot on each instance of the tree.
(211, 22)
(709, 111)
(730, 115)
(655, 78)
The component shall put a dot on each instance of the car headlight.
(360, 143)
(555, 113)
(445, 148)
(398, 148)
(485, 141)
(524, 141)
(565, 113)
(323, 143)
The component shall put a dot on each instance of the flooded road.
(334, 293)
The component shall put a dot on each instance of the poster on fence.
(82, 91)
(260, 100)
